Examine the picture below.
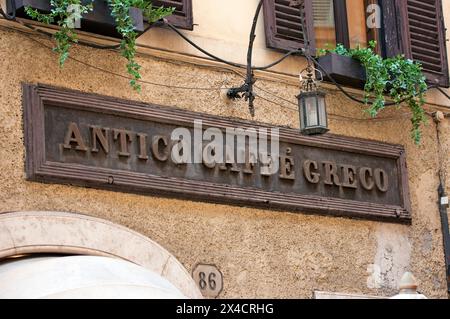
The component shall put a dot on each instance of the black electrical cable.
(338, 116)
(158, 23)
(311, 58)
(442, 91)
(81, 42)
(304, 31)
(237, 65)
(352, 97)
(126, 77)
(261, 68)
(250, 76)
(300, 52)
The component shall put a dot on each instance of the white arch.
(68, 233)
(81, 277)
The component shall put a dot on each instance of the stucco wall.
(261, 253)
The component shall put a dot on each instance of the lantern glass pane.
(322, 110)
(311, 111)
(302, 112)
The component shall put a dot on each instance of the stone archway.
(68, 233)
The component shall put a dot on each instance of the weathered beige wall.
(222, 30)
(261, 253)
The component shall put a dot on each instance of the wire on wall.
(273, 95)
(124, 76)
(300, 52)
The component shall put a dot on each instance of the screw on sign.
(209, 280)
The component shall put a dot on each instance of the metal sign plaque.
(96, 141)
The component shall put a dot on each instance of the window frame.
(397, 37)
(186, 21)
(341, 22)
(274, 41)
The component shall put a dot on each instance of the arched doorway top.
(69, 233)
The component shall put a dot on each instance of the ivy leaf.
(124, 25)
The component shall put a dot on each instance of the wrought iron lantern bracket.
(246, 90)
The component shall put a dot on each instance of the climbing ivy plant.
(63, 14)
(399, 78)
(120, 11)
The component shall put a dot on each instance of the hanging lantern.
(312, 106)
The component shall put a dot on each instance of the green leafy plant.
(120, 11)
(63, 15)
(399, 78)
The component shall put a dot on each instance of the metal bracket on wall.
(246, 90)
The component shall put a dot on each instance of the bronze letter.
(249, 162)
(160, 156)
(381, 180)
(349, 176)
(312, 177)
(142, 146)
(287, 166)
(207, 156)
(331, 176)
(73, 135)
(364, 175)
(101, 135)
(229, 159)
(125, 138)
(233, 167)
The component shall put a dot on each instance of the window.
(416, 29)
(327, 23)
(182, 17)
(100, 21)
(411, 27)
(324, 23)
(341, 21)
(283, 25)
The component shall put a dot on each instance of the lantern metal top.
(307, 81)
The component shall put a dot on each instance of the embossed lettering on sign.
(334, 174)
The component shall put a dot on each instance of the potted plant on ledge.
(398, 78)
(118, 18)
